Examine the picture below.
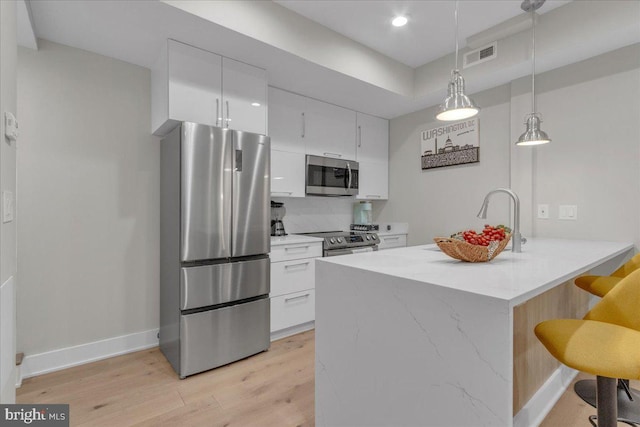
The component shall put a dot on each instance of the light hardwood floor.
(275, 388)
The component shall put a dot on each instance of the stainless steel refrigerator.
(214, 246)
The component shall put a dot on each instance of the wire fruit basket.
(464, 251)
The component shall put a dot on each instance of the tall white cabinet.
(372, 154)
(192, 84)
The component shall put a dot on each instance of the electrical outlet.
(568, 212)
(543, 211)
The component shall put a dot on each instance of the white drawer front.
(295, 251)
(292, 276)
(292, 309)
(397, 241)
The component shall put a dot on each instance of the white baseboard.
(537, 408)
(50, 361)
(283, 333)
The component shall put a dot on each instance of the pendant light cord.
(456, 17)
(533, 60)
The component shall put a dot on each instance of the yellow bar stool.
(606, 343)
(601, 285)
(628, 398)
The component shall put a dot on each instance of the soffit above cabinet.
(306, 56)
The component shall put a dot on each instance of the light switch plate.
(569, 212)
(543, 211)
(7, 206)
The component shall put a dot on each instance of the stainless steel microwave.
(326, 176)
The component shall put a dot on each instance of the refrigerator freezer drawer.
(206, 285)
(216, 337)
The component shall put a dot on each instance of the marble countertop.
(293, 239)
(543, 264)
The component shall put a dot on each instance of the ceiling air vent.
(478, 56)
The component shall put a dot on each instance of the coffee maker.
(277, 213)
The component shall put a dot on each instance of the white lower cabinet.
(292, 310)
(293, 287)
(392, 241)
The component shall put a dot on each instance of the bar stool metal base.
(628, 410)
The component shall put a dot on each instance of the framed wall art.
(450, 144)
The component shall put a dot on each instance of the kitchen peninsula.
(411, 337)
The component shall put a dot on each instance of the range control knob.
(339, 239)
(332, 240)
(368, 237)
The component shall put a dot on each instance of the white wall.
(88, 173)
(594, 159)
(439, 202)
(590, 110)
(8, 276)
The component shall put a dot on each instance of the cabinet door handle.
(373, 196)
(359, 136)
(282, 192)
(292, 248)
(304, 126)
(297, 264)
(333, 155)
(217, 111)
(228, 118)
(391, 238)
(298, 297)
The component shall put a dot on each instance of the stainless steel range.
(345, 242)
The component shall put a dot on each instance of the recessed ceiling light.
(399, 21)
(255, 104)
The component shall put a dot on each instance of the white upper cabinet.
(244, 92)
(330, 130)
(373, 181)
(299, 124)
(372, 146)
(286, 121)
(195, 84)
(287, 174)
(192, 84)
(372, 138)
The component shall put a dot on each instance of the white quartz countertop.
(543, 264)
(293, 239)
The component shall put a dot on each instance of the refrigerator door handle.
(238, 167)
(228, 117)
(217, 111)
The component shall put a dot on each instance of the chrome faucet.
(518, 240)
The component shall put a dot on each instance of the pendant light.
(533, 135)
(457, 105)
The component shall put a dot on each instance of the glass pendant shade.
(457, 105)
(533, 135)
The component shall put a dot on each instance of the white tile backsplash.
(311, 214)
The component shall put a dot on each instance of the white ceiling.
(430, 32)
(332, 67)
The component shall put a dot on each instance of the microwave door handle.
(349, 170)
